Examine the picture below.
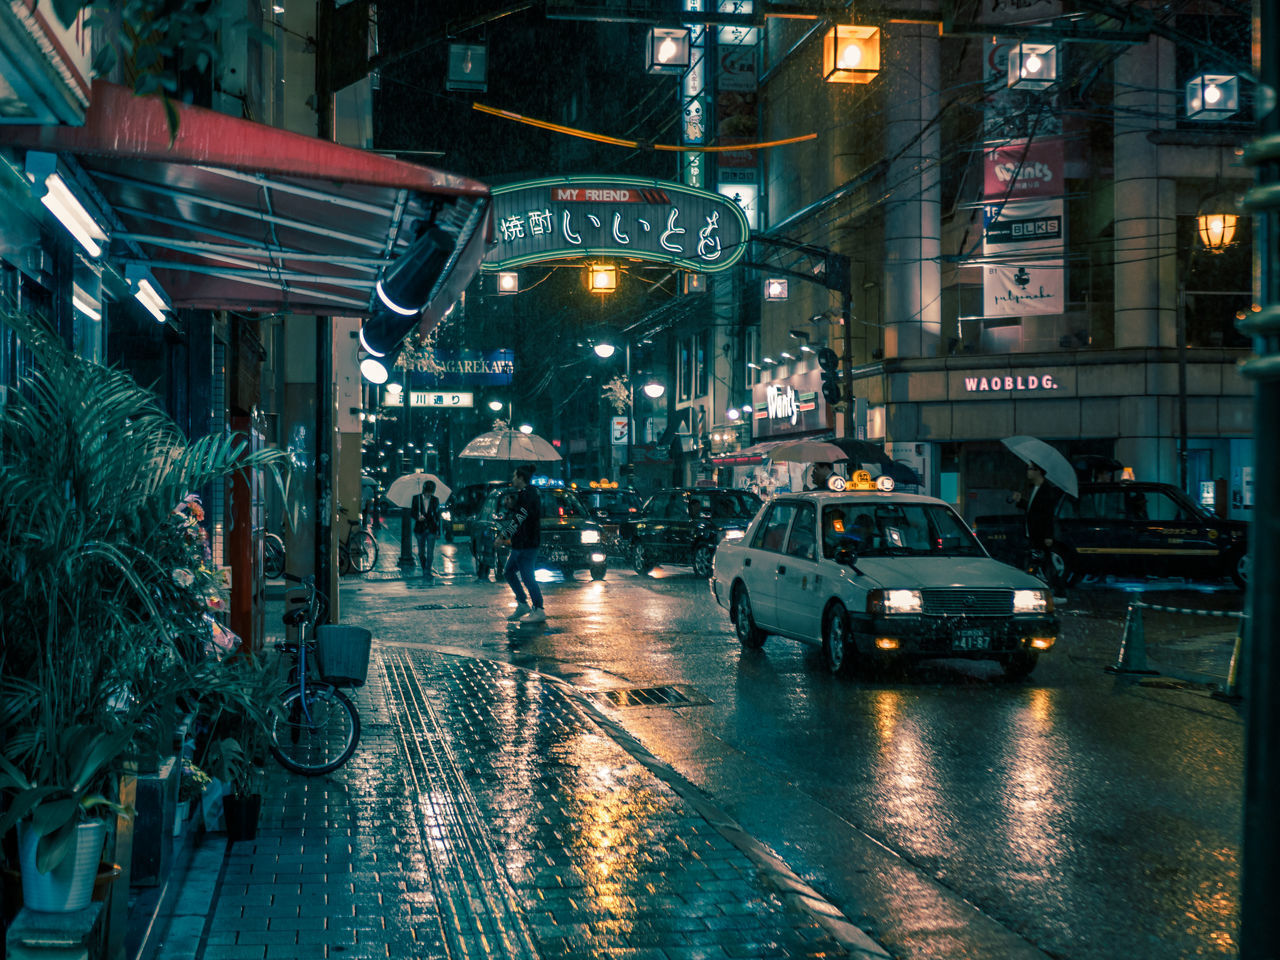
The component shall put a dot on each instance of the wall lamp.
(51, 190)
(775, 288)
(406, 285)
(508, 282)
(668, 50)
(604, 350)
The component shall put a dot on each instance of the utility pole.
(1260, 868)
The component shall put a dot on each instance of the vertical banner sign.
(693, 101)
(618, 430)
(1023, 169)
(737, 110)
(1023, 226)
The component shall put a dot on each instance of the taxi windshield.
(557, 503)
(897, 530)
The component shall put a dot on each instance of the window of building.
(684, 367)
(702, 359)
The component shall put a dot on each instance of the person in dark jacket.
(1040, 507)
(425, 510)
(524, 531)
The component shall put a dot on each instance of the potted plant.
(103, 598)
(237, 747)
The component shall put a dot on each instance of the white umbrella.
(404, 488)
(1057, 470)
(807, 451)
(509, 445)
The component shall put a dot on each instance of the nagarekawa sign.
(570, 218)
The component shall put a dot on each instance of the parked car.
(1126, 528)
(614, 505)
(685, 526)
(461, 507)
(873, 576)
(571, 540)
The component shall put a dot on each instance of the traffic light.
(830, 364)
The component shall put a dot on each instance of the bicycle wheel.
(364, 552)
(272, 556)
(315, 734)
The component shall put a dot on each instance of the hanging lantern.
(1212, 96)
(775, 288)
(668, 50)
(851, 54)
(468, 67)
(1217, 230)
(1033, 66)
(602, 278)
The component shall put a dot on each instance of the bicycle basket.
(342, 654)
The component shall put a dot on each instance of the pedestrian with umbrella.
(524, 532)
(425, 510)
(1050, 476)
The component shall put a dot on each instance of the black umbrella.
(863, 454)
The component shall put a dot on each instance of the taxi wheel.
(1240, 569)
(1064, 566)
(838, 653)
(749, 635)
(598, 571)
(704, 555)
(639, 559)
(1019, 665)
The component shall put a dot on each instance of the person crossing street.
(524, 532)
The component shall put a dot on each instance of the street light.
(495, 405)
(653, 389)
(526, 428)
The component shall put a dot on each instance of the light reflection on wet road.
(961, 815)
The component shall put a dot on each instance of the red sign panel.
(608, 195)
(1024, 168)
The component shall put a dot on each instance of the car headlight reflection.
(1030, 601)
(590, 536)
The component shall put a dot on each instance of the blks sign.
(565, 218)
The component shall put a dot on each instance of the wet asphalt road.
(949, 812)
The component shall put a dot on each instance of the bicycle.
(314, 727)
(358, 550)
(272, 556)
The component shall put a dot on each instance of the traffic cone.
(1235, 673)
(1132, 660)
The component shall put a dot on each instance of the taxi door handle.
(782, 569)
(746, 562)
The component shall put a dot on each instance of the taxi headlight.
(590, 536)
(894, 601)
(1030, 601)
(734, 534)
(446, 515)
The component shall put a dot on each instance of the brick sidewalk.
(486, 814)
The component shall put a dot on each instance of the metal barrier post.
(1235, 672)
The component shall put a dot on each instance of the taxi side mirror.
(845, 557)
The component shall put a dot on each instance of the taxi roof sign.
(861, 480)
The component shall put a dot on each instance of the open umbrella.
(864, 455)
(509, 445)
(806, 451)
(404, 488)
(1057, 470)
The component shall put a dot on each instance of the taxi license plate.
(970, 638)
(557, 556)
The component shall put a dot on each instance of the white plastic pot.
(68, 886)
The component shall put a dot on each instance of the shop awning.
(239, 215)
(748, 456)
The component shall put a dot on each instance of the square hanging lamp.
(850, 54)
(668, 50)
(1033, 66)
(1212, 96)
(468, 67)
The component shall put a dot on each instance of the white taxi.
(872, 575)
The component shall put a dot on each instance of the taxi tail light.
(1040, 643)
(597, 558)
(887, 643)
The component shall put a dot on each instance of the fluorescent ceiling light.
(85, 304)
(150, 298)
(62, 203)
